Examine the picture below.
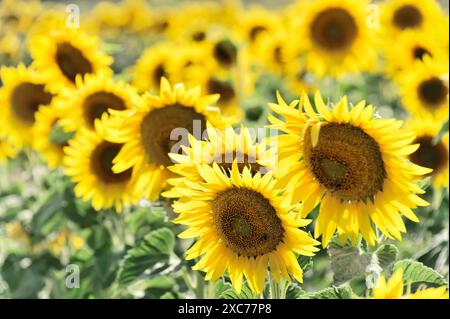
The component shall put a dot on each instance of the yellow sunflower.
(255, 23)
(424, 89)
(18, 15)
(222, 147)
(393, 289)
(430, 154)
(243, 226)
(150, 131)
(336, 37)
(155, 62)
(48, 137)
(353, 163)
(412, 46)
(91, 98)
(24, 90)
(224, 85)
(64, 53)
(88, 161)
(418, 15)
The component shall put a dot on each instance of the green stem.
(200, 286)
(274, 288)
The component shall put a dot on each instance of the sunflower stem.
(200, 286)
(274, 288)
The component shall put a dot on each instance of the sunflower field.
(224, 149)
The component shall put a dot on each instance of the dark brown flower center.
(407, 16)
(278, 55)
(98, 103)
(420, 52)
(199, 36)
(225, 161)
(225, 53)
(434, 156)
(71, 61)
(247, 222)
(101, 163)
(334, 29)
(158, 73)
(433, 92)
(224, 88)
(157, 126)
(256, 31)
(346, 161)
(26, 99)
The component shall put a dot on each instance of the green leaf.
(415, 272)
(344, 292)
(48, 217)
(150, 256)
(144, 220)
(224, 290)
(293, 291)
(305, 262)
(386, 255)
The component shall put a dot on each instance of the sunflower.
(48, 137)
(424, 89)
(393, 289)
(351, 161)
(418, 15)
(410, 47)
(91, 98)
(224, 85)
(335, 36)
(88, 161)
(243, 226)
(155, 62)
(24, 90)
(431, 154)
(150, 132)
(64, 53)
(256, 23)
(222, 147)
(18, 15)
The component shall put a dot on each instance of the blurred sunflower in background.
(65, 53)
(24, 91)
(424, 89)
(146, 132)
(92, 97)
(89, 160)
(335, 36)
(49, 139)
(431, 153)
(411, 47)
(242, 226)
(155, 62)
(351, 162)
(398, 16)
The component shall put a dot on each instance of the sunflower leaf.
(343, 292)
(415, 272)
(386, 254)
(150, 256)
